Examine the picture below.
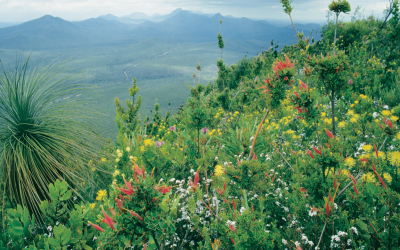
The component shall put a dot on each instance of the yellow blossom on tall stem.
(101, 194)
(219, 171)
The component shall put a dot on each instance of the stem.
(255, 136)
(334, 41)
(155, 240)
(333, 112)
(282, 156)
(320, 237)
(198, 140)
(316, 128)
(221, 53)
(348, 185)
(294, 27)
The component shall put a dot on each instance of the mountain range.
(50, 32)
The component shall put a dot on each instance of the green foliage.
(340, 6)
(45, 132)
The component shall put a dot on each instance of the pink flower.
(204, 130)
(172, 128)
(350, 82)
(159, 143)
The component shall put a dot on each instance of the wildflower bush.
(296, 149)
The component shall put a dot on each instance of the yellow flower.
(116, 173)
(369, 177)
(367, 148)
(92, 205)
(147, 142)
(350, 162)
(101, 194)
(398, 136)
(352, 106)
(363, 96)
(345, 172)
(128, 149)
(327, 121)
(356, 102)
(118, 151)
(323, 114)
(117, 160)
(342, 124)
(93, 169)
(119, 154)
(330, 171)
(350, 112)
(219, 171)
(381, 155)
(103, 159)
(353, 119)
(387, 177)
(394, 118)
(386, 112)
(290, 131)
(394, 158)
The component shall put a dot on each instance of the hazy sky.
(304, 10)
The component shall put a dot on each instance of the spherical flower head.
(120, 155)
(172, 128)
(116, 173)
(101, 194)
(128, 149)
(386, 113)
(219, 171)
(350, 162)
(147, 142)
(204, 130)
(394, 158)
(387, 177)
(340, 6)
(117, 160)
(368, 177)
(118, 151)
(367, 148)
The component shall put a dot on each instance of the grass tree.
(45, 133)
(339, 6)
(221, 44)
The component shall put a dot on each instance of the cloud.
(304, 10)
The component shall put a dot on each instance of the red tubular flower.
(380, 179)
(390, 124)
(165, 190)
(297, 95)
(266, 175)
(317, 151)
(196, 181)
(96, 226)
(234, 204)
(329, 133)
(112, 211)
(136, 215)
(354, 180)
(108, 220)
(273, 178)
(355, 188)
(334, 182)
(327, 209)
(137, 171)
(303, 85)
(299, 117)
(376, 150)
(373, 167)
(303, 190)
(233, 241)
(232, 228)
(363, 160)
(126, 191)
(381, 127)
(254, 156)
(221, 192)
(310, 154)
(352, 195)
(330, 196)
(144, 177)
(252, 208)
(119, 205)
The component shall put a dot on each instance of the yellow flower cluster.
(394, 158)
(101, 194)
(219, 113)
(219, 171)
(214, 132)
(350, 162)
(386, 113)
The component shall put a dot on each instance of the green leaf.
(362, 225)
(53, 192)
(66, 196)
(191, 204)
(66, 236)
(16, 228)
(382, 211)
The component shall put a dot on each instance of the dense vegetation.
(291, 149)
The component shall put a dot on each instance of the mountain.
(7, 24)
(138, 15)
(180, 26)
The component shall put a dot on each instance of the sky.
(76, 10)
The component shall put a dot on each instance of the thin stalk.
(282, 156)
(198, 141)
(294, 27)
(320, 237)
(255, 136)
(334, 41)
(333, 112)
(316, 128)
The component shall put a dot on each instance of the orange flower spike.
(354, 180)
(96, 226)
(373, 166)
(232, 228)
(297, 95)
(329, 133)
(234, 204)
(254, 156)
(144, 177)
(380, 179)
(330, 197)
(165, 190)
(119, 205)
(317, 151)
(376, 150)
(233, 241)
(327, 209)
(334, 182)
(136, 215)
(310, 154)
(302, 84)
(108, 220)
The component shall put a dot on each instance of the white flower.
(284, 241)
(354, 230)
(128, 149)
(120, 155)
(242, 209)
(173, 179)
(312, 212)
(49, 228)
(297, 244)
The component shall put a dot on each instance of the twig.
(282, 156)
(209, 208)
(383, 144)
(320, 237)
(255, 136)
(348, 185)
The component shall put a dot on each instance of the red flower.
(196, 181)
(165, 190)
(221, 192)
(310, 154)
(297, 95)
(330, 196)
(329, 133)
(317, 151)
(376, 150)
(303, 190)
(96, 226)
(327, 210)
(234, 204)
(108, 220)
(119, 205)
(380, 179)
(136, 215)
(363, 160)
(303, 85)
(254, 156)
(373, 166)
(233, 241)
(232, 228)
